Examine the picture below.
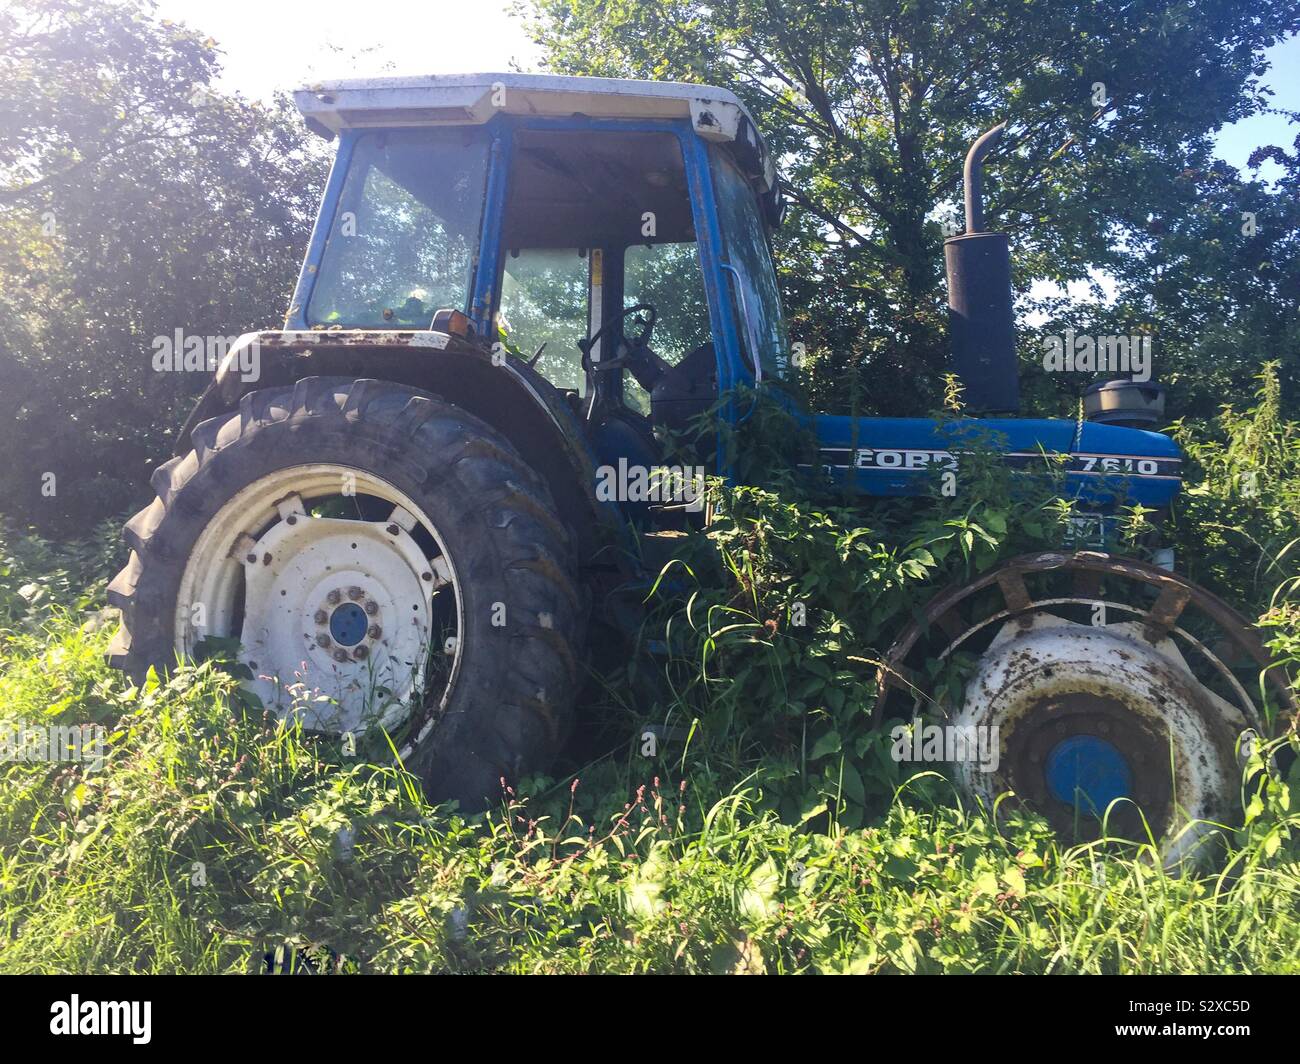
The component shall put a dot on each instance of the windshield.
(404, 238)
(754, 292)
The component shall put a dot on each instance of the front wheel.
(1113, 697)
(374, 556)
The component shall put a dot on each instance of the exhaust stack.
(980, 319)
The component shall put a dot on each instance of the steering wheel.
(635, 344)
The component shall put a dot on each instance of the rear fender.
(510, 396)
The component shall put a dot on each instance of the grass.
(211, 836)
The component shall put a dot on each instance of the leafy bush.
(36, 575)
(1238, 520)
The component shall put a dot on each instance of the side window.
(544, 301)
(668, 277)
(571, 189)
(753, 282)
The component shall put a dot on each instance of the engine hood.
(1104, 464)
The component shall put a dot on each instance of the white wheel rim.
(337, 613)
(1031, 659)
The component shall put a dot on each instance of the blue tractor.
(410, 506)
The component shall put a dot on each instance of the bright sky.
(285, 44)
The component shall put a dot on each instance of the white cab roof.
(471, 99)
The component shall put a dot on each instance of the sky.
(285, 44)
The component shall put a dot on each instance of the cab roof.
(472, 99)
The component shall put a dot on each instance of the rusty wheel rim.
(1102, 722)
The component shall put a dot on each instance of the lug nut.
(426, 576)
(392, 530)
(374, 631)
(355, 594)
(252, 557)
(322, 616)
(372, 608)
(334, 596)
(360, 652)
(340, 655)
(322, 640)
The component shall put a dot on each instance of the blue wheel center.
(348, 624)
(1088, 772)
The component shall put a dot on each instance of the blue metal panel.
(483, 303)
(296, 318)
(1104, 464)
(1019, 434)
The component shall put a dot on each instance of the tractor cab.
(611, 235)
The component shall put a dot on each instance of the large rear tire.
(379, 556)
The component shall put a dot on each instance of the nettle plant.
(37, 576)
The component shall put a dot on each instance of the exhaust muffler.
(981, 323)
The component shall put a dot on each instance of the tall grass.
(211, 836)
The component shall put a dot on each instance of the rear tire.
(508, 702)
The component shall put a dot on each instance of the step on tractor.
(410, 506)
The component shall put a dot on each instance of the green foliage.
(135, 201)
(210, 837)
(1238, 521)
(870, 108)
(37, 576)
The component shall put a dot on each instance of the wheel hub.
(334, 616)
(1136, 702)
(316, 593)
(1077, 749)
(347, 624)
(1089, 773)
(1088, 715)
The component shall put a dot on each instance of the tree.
(870, 106)
(135, 200)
